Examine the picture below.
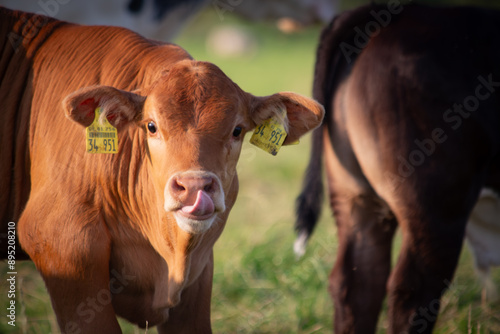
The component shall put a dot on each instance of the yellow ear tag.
(269, 136)
(101, 138)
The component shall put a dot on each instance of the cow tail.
(310, 200)
(329, 63)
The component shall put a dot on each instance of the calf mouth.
(202, 208)
(193, 217)
(195, 198)
(199, 217)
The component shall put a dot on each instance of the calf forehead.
(197, 94)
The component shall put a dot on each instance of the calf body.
(128, 234)
(411, 136)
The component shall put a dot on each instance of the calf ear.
(302, 114)
(118, 106)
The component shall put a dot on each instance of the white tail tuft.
(299, 246)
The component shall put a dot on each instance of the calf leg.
(71, 252)
(359, 277)
(82, 306)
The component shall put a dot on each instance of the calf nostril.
(177, 186)
(209, 187)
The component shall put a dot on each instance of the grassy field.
(259, 286)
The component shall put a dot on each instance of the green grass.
(259, 286)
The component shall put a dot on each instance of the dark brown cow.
(131, 233)
(411, 136)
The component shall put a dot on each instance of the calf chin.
(194, 226)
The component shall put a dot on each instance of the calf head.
(193, 120)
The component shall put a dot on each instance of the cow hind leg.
(424, 271)
(358, 279)
(432, 242)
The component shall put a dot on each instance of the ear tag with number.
(101, 138)
(269, 136)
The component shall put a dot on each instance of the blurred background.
(259, 285)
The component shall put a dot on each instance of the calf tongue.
(202, 206)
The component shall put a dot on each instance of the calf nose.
(185, 188)
(194, 194)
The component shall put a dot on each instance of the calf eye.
(152, 127)
(237, 131)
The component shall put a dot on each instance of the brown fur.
(95, 224)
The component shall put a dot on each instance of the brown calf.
(127, 234)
